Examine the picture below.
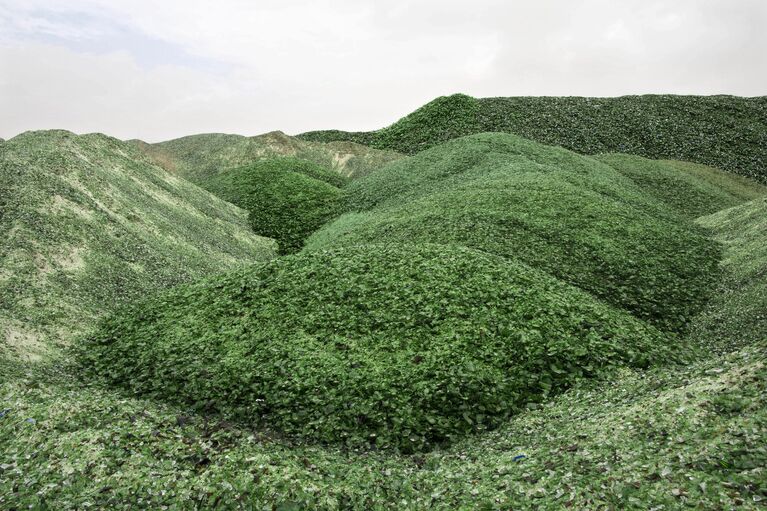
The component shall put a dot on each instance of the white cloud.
(350, 64)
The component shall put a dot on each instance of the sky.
(162, 69)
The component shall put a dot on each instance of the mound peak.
(726, 132)
(201, 157)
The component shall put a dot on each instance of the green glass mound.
(569, 215)
(87, 223)
(286, 198)
(727, 132)
(399, 346)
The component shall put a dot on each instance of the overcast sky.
(161, 69)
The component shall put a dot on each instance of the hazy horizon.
(157, 71)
